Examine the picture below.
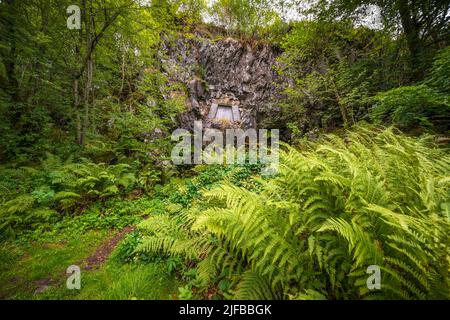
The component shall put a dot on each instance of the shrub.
(439, 77)
(412, 106)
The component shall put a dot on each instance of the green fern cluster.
(89, 179)
(58, 187)
(374, 197)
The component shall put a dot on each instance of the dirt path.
(104, 250)
(94, 261)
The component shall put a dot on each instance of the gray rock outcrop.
(222, 70)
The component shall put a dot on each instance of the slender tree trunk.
(41, 49)
(76, 106)
(343, 111)
(89, 66)
(87, 95)
(411, 29)
(10, 65)
(123, 73)
(76, 92)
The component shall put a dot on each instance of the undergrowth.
(339, 205)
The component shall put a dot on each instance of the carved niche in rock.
(225, 111)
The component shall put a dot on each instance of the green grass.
(33, 265)
(145, 281)
(27, 267)
(24, 265)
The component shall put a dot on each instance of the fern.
(336, 207)
(60, 186)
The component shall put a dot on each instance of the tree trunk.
(76, 93)
(123, 72)
(76, 105)
(412, 34)
(87, 95)
(89, 66)
(10, 65)
(344, 113)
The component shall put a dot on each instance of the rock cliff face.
(224, 72)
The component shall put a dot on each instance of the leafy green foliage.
(439, 77)
(423, 105)
(424, 25)
(341, 74)
(412, 105)
(335, 68)
(101, 99)
(247, 17)
(61, 188)
(336, 207)
(124, 252)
